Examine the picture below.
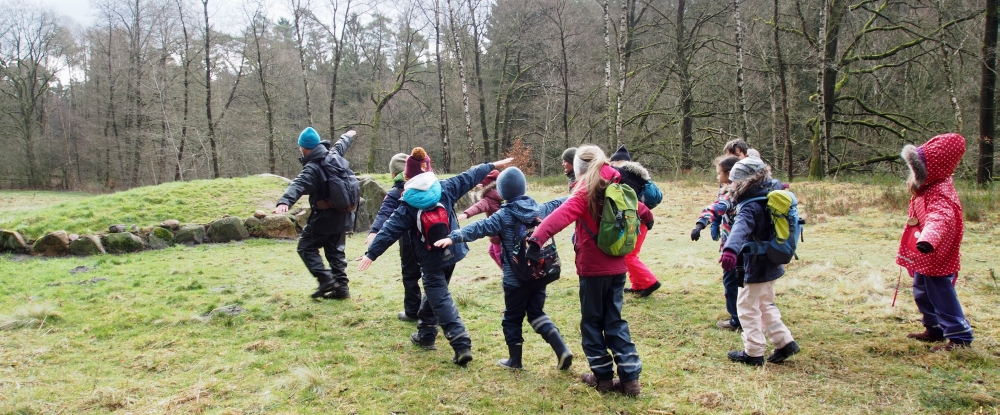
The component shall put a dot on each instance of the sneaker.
(603, 386)
(462, 357)
(402, 316)
(927, 336)
(783, 353)
(415, 339)
(630, 388)
(743, 357)
(727, 325)
(648, 291)
(951, 345)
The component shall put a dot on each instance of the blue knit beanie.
(511, 183)
(309, 138)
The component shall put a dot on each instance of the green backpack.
(619, 224)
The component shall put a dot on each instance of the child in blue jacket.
(758, 315)
(425, 192)
(510, 222)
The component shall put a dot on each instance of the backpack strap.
(752, 199)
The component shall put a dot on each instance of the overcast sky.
(223, 12)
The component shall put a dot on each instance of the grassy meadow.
(144, 333)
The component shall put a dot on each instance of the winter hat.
(422, 191)
(397, 164)
(934, 160)
(490, 178)
(511, 183)
(746, 168)
(621, 154)
(579, 166)
(418, 162)
(309, 138)
(753, 153)
(569, 154)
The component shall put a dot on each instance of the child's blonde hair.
(592, 181)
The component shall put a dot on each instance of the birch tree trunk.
(465, 84)
(740, 92)
(607, 73)
(479, 83)
(987, 97)
(186, 59)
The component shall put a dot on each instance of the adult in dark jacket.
(326, 227)
(407, 259)
(567, 162)
(421, 192)
(755, 307)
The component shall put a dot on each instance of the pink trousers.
(640, 275)
(495, 254)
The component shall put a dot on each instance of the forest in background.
(157, 91)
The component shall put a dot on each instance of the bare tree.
(299, 14)
(987, 97)
(464, 81)
(186, 61)
(443, 113)
(476, 52)
(257, 30)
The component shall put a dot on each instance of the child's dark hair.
(726, 163)
(737, 144)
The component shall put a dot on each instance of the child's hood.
(422, 191)
(632, 167)
(524, 208)
(936, 159)
(758, 184)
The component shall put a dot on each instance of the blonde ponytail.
(591, 181)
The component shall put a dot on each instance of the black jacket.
(753, 221)
(311, 181)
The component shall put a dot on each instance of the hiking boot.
(427, 344)
(603, 386)
(743, 357)
(630, 388)
(783, 353)
(324, 287)
(648, 291)
(951, 345)
(337, 291)
(514, 361)
(927, 336)
(727, 325)
(462, 357)
(628, 290)
(402, 316)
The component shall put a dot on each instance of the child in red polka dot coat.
(929, 249)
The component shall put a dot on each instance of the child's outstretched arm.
(711, 214)
(486, 227)
(463, 183)
(392, 229)
(548, 207)
(560, 218)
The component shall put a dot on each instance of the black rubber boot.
(514, 361)
(564, 356)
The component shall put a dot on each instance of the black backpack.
(342, 185)
(532, 274)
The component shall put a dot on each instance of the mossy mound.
(160, 238)
(123, 243)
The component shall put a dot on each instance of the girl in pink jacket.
(929, 249)
(602, 277)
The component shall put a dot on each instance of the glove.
(728, 260)
(649, 225)
(534, 252)
(696, 232)
(925, 247)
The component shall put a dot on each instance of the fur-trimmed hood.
(758, 183)
(935, 160)
(631, 167)
(490, 190)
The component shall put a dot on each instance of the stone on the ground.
(12, 241)
(302, 218)
(73, 237)
(190, 234)
(52, 244)
(276, 226)
(116, 228)
(464, 202)
(123, 243)
(259, 214)
(171, 224)
(87, 245)
(363, 217)
(160, 238)
(227, 229)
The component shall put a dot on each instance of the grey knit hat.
(568, 154)
(746, 168)
(511, 183)
(396, 164)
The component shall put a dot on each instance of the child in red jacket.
(929, 249)
(602, 276)
(489, 204)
